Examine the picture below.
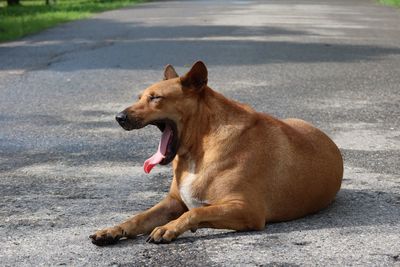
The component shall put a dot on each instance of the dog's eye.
(154, 97)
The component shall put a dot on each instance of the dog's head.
(166, 104)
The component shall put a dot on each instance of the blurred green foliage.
(34, 15)
(391, 2)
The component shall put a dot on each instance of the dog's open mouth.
(168, 146)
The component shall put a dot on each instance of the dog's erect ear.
(169, 72)
(196, 78)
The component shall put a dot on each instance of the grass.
(390, 2)
(33, 15)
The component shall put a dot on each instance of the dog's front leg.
(168, 209)
(235, 216)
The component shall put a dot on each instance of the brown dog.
(234, 168)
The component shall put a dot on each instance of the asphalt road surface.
(67, 168)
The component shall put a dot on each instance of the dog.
(233, 168)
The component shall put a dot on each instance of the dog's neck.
(212, 112)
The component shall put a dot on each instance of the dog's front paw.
(106, 236)
(163, 234)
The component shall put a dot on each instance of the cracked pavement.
(67, 168)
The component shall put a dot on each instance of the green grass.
(33, 15)
(390, 2)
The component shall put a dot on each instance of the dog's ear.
(169, 72)
(196, 78)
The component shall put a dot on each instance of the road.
(67, 168)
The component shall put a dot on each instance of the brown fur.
(250, 168)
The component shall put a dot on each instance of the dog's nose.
(121, 118)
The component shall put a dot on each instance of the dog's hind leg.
(235, 216)
(168, 209)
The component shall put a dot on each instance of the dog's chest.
(186, 189)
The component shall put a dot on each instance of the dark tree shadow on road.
(136, 46)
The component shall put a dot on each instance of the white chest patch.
(185, 189)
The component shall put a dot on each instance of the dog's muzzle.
(129, 122)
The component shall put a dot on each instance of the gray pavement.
(67, 168)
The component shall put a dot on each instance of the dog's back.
(285, 168)
(310, 174)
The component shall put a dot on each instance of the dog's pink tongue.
(161, 151)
